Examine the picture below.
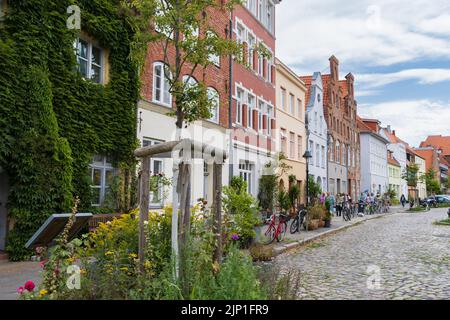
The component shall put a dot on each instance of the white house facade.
(398, 149)
(317, 138)
(374, 162)
(154, 127)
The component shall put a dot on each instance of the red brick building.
(253, 91)
(155, 126)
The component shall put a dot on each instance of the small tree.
(267, 191)
(432, 184)
(410, 174)
(314, 189)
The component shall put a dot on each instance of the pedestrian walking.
(332, 203)
(403, 200)
(323, 198)
(339, 203)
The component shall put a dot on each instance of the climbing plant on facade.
(52, 120)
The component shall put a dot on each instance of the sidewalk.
(301, 238)
(15, 274)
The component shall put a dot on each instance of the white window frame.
(239, 109)
(246, 172)
(89, 59)
(152, 204)
(165, 86)
(212, 57)
(292, 145)
(251, 105)
(283, 98)
(103, 166)
(213, 94)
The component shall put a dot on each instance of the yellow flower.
(108, 253)
(124, 269)
(83, 271)
(43, 292)
(133, 255)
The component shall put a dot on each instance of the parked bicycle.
(298, 221)
(276, 230)
(346, 211)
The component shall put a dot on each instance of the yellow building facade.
(290, 115)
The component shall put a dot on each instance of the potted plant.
(315, 217)
(328, 216)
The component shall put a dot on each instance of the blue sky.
(398, 50)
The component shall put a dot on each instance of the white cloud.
(358, 32)
(423, 76)
(413, 120)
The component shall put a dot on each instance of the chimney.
(389, 128)
(393, 132)
(334, 68)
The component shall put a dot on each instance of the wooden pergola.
(182, 152)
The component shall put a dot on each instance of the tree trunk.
(217, 226)
(143, 208)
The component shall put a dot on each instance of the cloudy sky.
(398, 50)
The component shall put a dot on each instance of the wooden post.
(143, 207)
(217, 178)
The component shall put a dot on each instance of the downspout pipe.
(230, 102)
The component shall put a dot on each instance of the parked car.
(441, 198)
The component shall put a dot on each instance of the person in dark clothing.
(403, 200)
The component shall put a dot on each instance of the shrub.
(241, 210)
(261, 252)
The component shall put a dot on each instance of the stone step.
(3, 256)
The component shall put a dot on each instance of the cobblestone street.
(412, 254)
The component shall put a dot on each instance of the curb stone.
(283, 248)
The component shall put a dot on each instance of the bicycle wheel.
(282, 231)
(294, 225)
(269, 235)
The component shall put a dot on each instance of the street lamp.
(307, 155)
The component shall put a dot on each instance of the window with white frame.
(331, 149)
(252, 6)
(251, 106)
(321, 125)
(239, 109)
(213, 96)
(300, 108)
(251, 50)
(156, 170)
(90, 60)
(324, 155)
(283, 98)
(283, 141)
(240, 33)
(318, 155)
(212, 57)
(292, 145)
(338, 152)
(299, 148)
(161, 85)
(311, 150)
(260, 65)
(269, 119)
(269, 70)
(102, 174)
(315, 122)
(246, 172)
(291, 104)
(261, 107)
(270, 17)
(164, 29)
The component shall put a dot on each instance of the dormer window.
(90, 60)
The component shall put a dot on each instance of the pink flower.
(20, 290)
(42, 263)
(29, 285)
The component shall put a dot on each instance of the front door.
(4, 192)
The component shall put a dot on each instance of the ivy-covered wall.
(52, 121)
